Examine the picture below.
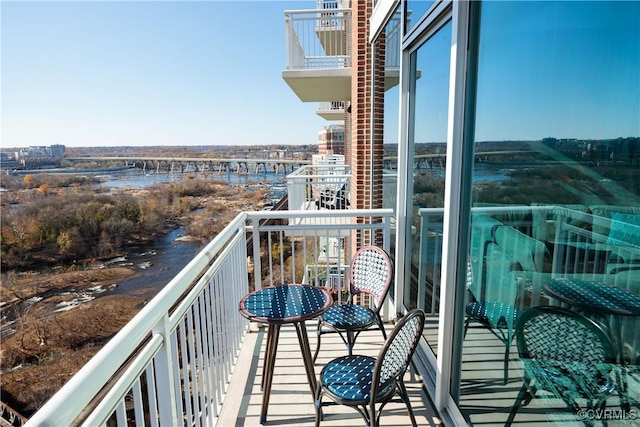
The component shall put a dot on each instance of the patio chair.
(336, 199)
(565, 354)
(362, 382)
(371, 274)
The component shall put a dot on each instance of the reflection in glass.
(427, 148)
(556, 197)
(414, 11)
(392, 47)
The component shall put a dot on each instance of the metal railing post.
(165, 387)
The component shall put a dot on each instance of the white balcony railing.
(318, 186)
(337, 106)
(306, 185)
(331, 110)
(172, 364)
(318, 39)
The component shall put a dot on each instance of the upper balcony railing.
(318, 39)
(327, 187)
(172, 363)
(332, 106)
(315, 187)
(331, 110)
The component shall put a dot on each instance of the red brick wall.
(364, 153)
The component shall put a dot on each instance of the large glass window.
(425, 175)
(391, 42)
(415, 9)
(555, 216)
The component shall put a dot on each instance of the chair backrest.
(393, 359)
(550, 333)
(371, 273)
(509, 255)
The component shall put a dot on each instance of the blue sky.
(89, 73)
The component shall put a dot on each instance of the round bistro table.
(279, 305)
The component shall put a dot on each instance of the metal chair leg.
(319, 335)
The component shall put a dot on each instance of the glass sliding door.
(555, 217)
(427, 137)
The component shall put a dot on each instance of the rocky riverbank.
(54, 323)
(54, 319)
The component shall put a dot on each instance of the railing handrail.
(316, 11)
(320, 177)
(302, 172)
(81, 389)
(319, 214)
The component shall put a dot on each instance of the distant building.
(331, 140)
(39, 156)
(57, 151)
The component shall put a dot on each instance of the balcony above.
(333, 110)
(319, 54)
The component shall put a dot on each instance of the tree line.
(74, 224)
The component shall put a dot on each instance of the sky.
(209, 72)
(142, 73)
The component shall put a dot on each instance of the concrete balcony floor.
(291, 402)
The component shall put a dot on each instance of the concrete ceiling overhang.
(320, 85)
(331, 115)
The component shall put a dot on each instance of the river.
(159, 262)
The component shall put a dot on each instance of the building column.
(366, 140)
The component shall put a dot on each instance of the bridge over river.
(188, 164)
(256, 165)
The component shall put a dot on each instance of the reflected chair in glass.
(371, 273)
(493, 304)
(567, 355)
(362, 382)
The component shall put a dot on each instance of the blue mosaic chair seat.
(349, 316)
(567, 355)
(349, 378)
(370, 275)
(362, 382)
